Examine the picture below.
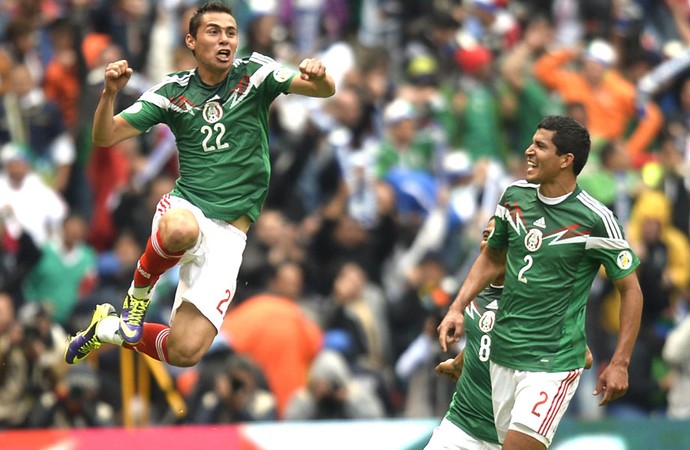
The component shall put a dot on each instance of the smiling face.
(214, 46)
(546, 167)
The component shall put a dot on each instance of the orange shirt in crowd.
(610, 107)
(275, 333)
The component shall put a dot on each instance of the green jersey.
(555, 248)
(471, 409)
(221, 133)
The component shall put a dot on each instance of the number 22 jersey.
(221, 133)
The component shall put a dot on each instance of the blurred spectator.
(65, 274)
(608, 98)
(611, 179)
(15, 402)
(20, 190)
(75, 403)
(358, 308)
(339, 238)
(432, 39)
(22, 46)
(129, 24)
(478, 104)
(44, 344)
(332, 394)
(62, 83)
(527, 101)
(664, 254)
(300, 339)
(675, 353)
(676, 173)
(492, 24)
(239, 394)
(31, 120)
(274, 241)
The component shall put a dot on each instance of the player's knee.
(179, 229)
(185, 355)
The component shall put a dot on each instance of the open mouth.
(224, 55)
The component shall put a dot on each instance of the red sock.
(154, 341)
(154, 262)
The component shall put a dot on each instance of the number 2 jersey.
(221, 133)
(471, 409)
(555, 248)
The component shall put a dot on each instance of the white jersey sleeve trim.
(612, 228)
(606, 243)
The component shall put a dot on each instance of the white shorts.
(532, 403)
(208, 272)
(447, 436)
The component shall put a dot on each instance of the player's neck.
(210, 78)
(558, 187)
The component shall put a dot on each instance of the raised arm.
(107, 129)
(485, 269)
(313, 80)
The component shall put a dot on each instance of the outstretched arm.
(107, 129)
(313, 80)
(613, 381)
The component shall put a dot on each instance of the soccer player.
(469, 422)
(218, 113)
(552, 237)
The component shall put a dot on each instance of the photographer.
(332, 393)
(239, 395)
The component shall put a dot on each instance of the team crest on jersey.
(533, 239)
(212, 112)
(487, 321)
(624, 260)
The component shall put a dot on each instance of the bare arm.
(486, 267)
(313, 80)
(107, 129)
(613, 381)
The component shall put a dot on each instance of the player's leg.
(191, 335)
(541, 400)
(175, 231)
(207, 286)
(517, 440)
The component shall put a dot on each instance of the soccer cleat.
(132, 318)
(84, 342)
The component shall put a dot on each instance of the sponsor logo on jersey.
(533, 239)
(282, 74)
(624, 259)
(212, 112)
(487, 321)
(492, 305)
(540, 222)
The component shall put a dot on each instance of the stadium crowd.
(377, 202)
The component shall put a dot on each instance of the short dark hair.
(209, 7)
(569, 137)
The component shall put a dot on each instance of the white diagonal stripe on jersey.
(262, 59)
(606, 215)
(607, 243)
(523, 183)
(618, 233)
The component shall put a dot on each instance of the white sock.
(107, 330)
(140, 292)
